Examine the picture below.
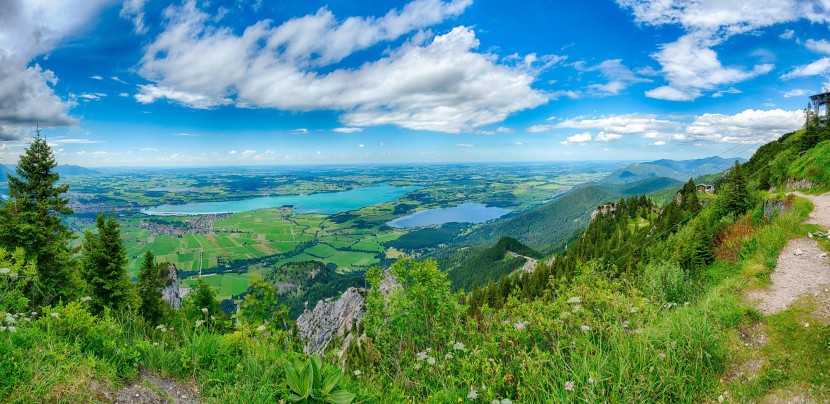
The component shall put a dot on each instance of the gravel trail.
(802, 266)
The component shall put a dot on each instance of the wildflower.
(473, 394)
(160, 327)
(357, 372)
(459, 346)
(459, 399)
(34, 313)
(431, 360)
(661, 355)
(267, 334)
(27, 319)
(633, 309)
(86, 299)
(9, 318)
(448, 356)
(417, 366)
(569, 385)
(55, 314)
(172, 328)
(213, 318)
(585, 328)
(625, 324)
(261, 328)
(199, 323)
(491, 360)
(2, 328)
(521, 325)
(4, 271)
(12, 328)
(574, 300)
(591, 380)
(421, 355)
(204, 310)
(155, 344)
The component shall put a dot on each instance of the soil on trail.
(150, 388)
(802, 266)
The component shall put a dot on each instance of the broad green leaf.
(340, 397)
(330, 380)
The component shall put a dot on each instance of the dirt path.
(150, 388)
(530, 263)
(802, 267)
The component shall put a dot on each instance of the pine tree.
(150, 286)
(736, 196)
(32, 219)
(105, 266)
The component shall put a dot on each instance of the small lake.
(327, 202)
(466, 213)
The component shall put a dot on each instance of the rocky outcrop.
(798, 184)
(333, 319)
(171, 293)
(603, 210)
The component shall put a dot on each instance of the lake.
(326, 202)
(465, 213)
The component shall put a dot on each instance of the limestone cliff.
(332, 319)
(171, 293)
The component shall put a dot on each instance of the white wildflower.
(521, 325)
(357, 372)
(575, 299)
(431, 360)
(204, 310)
(86, 299)
(4, 271)
(155, 344)
(27, 318)
(448, 356)
(472, 395)
(585, 328)
(9, 318)
(633, 309)
(591, 380)
(417, 366)
(12, 328)
(199, 323)
(34, 313)
(55, 314)
(261, 328)
(2, 328)
(459, 346)
(421, 355)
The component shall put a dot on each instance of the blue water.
(466, 213)
(326, 203)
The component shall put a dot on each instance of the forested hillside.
(645, 305)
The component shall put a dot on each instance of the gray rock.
(332, 319)
(171, 293)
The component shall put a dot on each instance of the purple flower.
(569, 385)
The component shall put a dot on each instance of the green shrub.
(666, 282)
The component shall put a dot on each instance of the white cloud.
(96, 77)
(347, 130)
(608, 137)
(658, 143)
(248, 153)
(232, 152)
(29, 29)
(578, 138)
(749, 126)
(440, 84)
(730, 90)
(518, 143)
(620, 77)
(115, 78)
(816, 68)
(148, 149)
(123, 95)
(466, 145)
(92, 96)
(689, 64)
(299, 131)
(133, 10)
(361, 145)
(185, 134)
(798, 92)
(788, 34)
(148, 94)
(691, 67)
(818, 46)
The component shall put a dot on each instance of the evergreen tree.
(150, 286)
(736, 197)
(32, 219)
(105, 266)
(201, 301)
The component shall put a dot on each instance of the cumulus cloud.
(29, 29)
(818, 46)
(578, 138)
(620, 77)
(439, 84)
(689, 64)
(747, 127)
(658, 143)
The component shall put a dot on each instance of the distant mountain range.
(678, 170)
(548, 226)
(66, 170)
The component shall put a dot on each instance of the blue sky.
(235, 82)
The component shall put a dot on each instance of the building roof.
(821, 96)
